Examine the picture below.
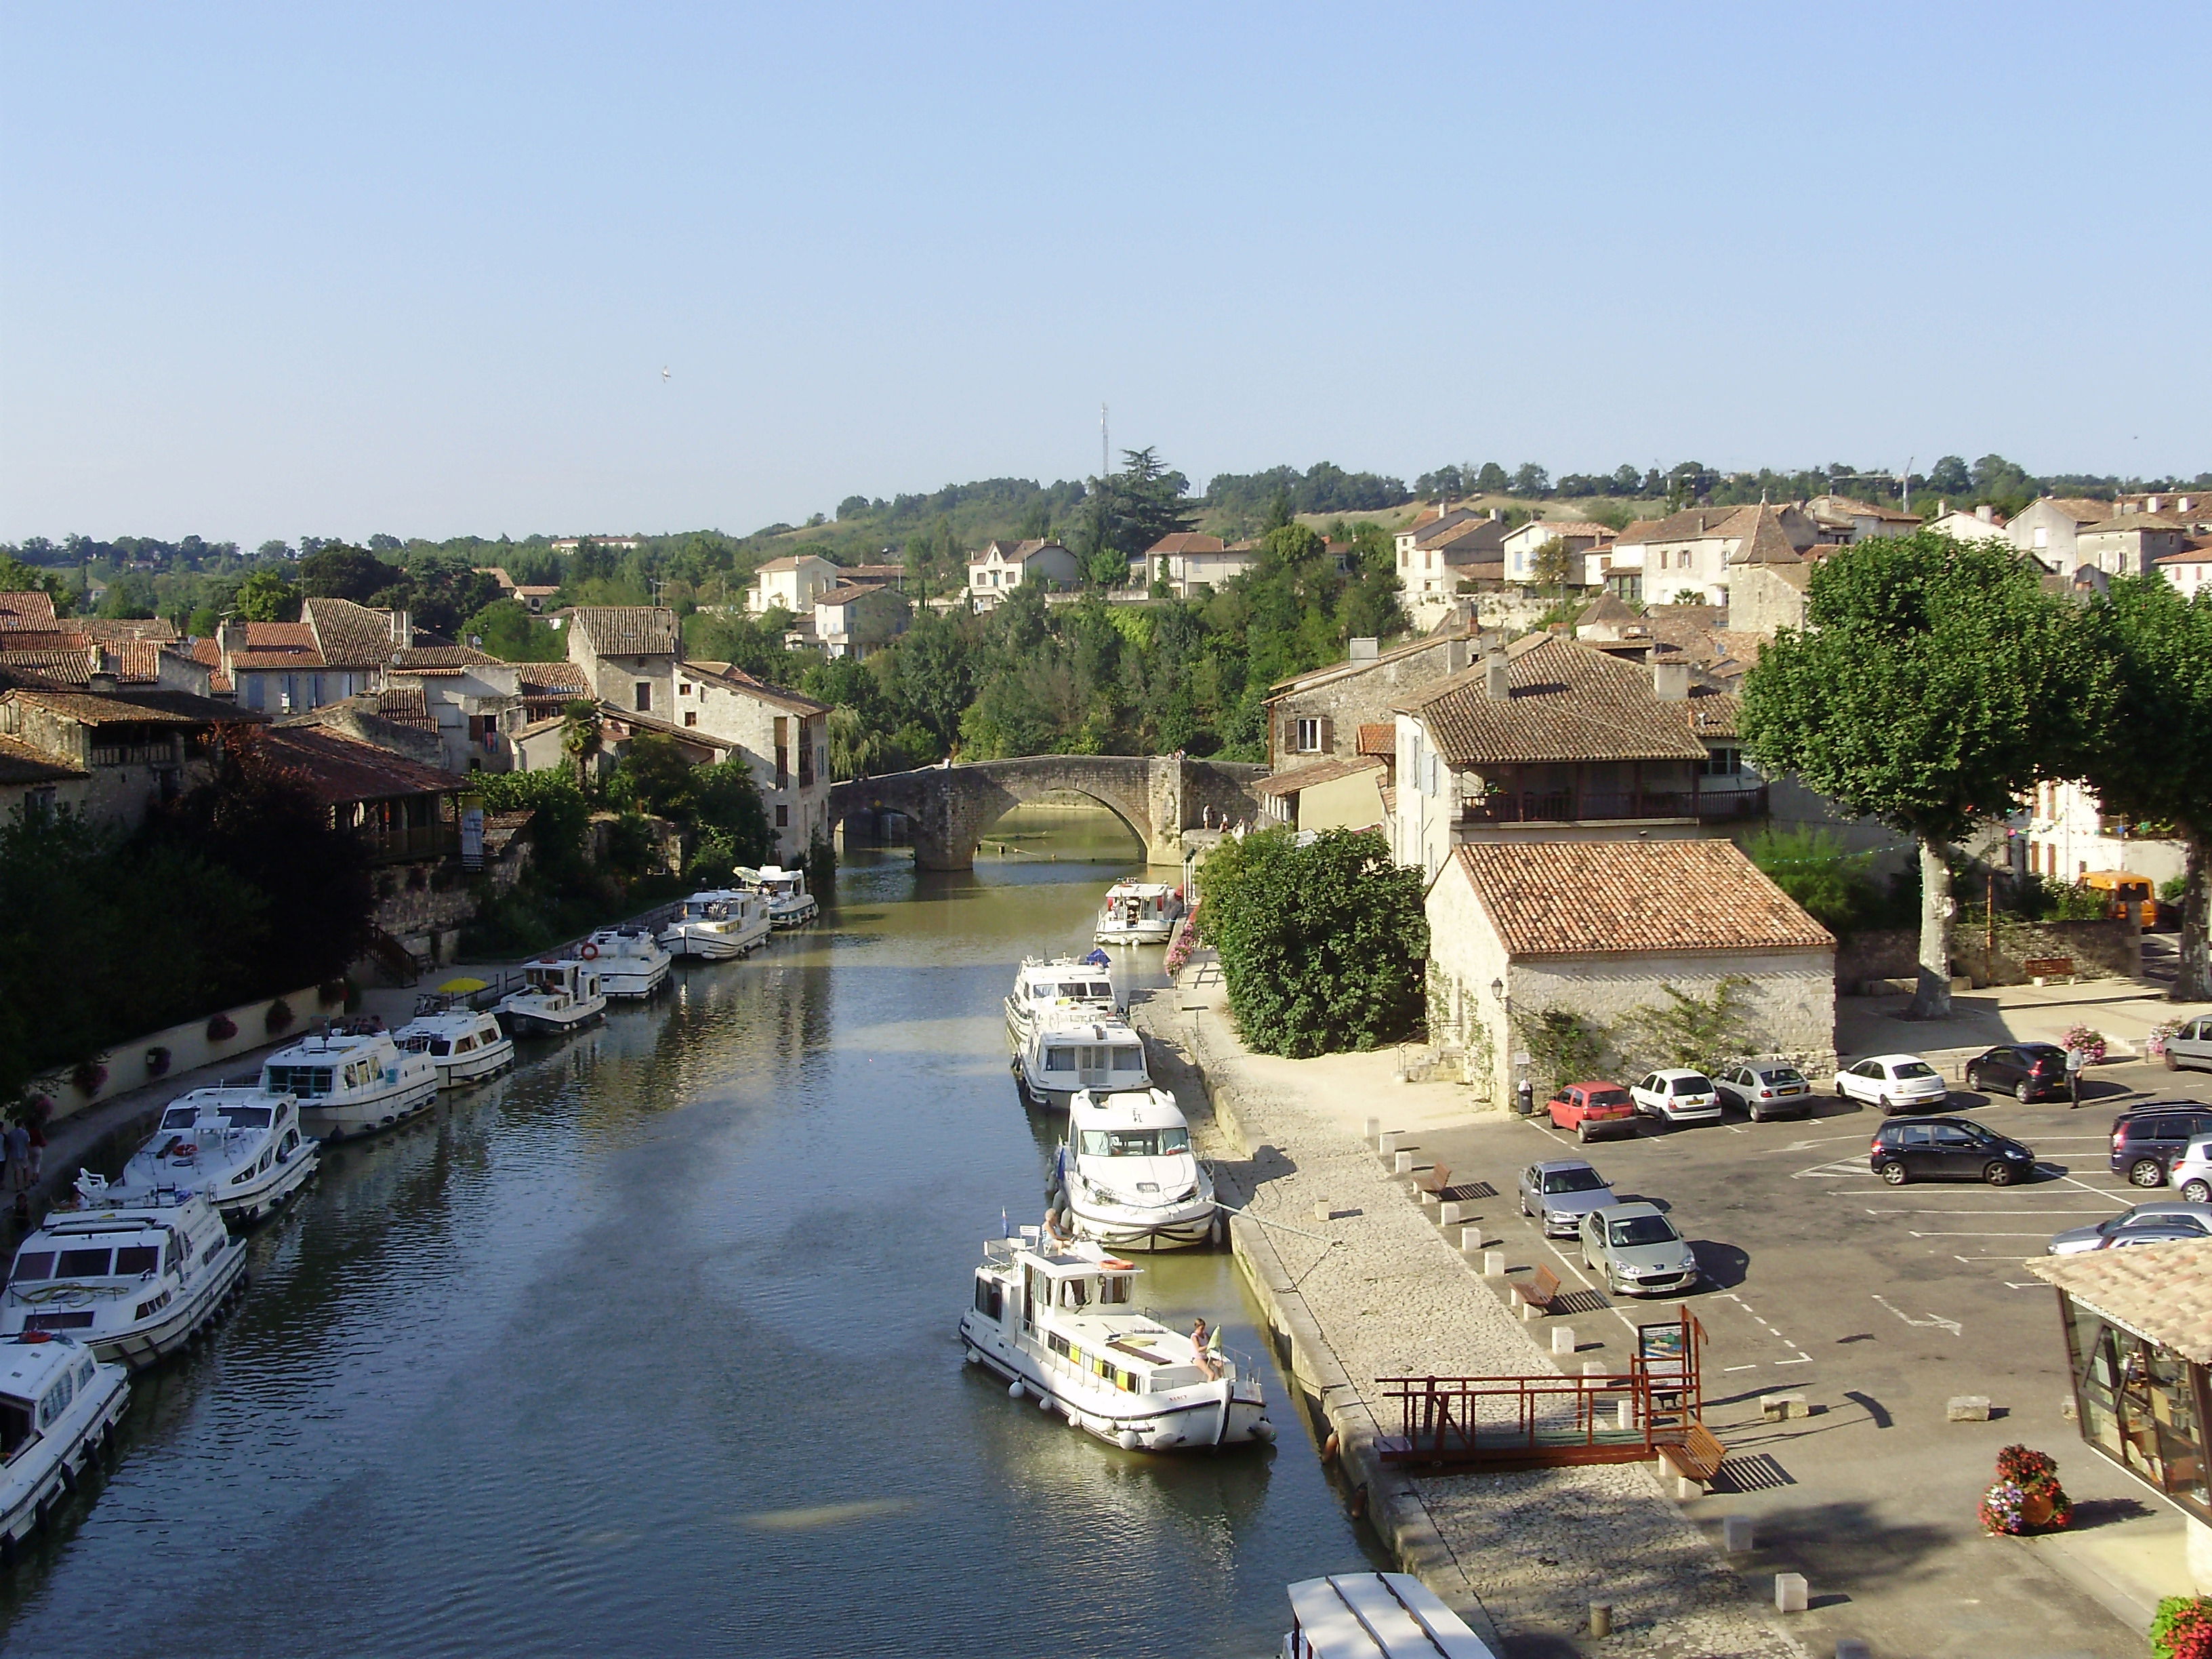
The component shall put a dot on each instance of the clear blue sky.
(318, 270)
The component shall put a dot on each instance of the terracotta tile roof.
(1429, 532)
(2081, 509)
(877, 573)
(405, 705)
(847, 593)
(2120, 523)
(111, 628)
(1637, 532)
(209, 653)
(438, 656)
(126, 709)
(20, 609)
(549, 679)
(1568, 702)
(1609, 608)
(2162, 1291)
(1306, 777)
(53, 667)
(21, 763)
(1379, 737)
(736, 679)
(65, 637)
(336, 768)
(1347, 667)
(1765, 541)
(350, 636)
(279, 636)
(627, 630)
(1564, 527)
(1184, 541)
(1009, 552)
(1632, 898)
(615, 722)
(790, 561)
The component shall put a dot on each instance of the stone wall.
(423, 906)
(1878, 953)
(1358, 697)
(2101, 950)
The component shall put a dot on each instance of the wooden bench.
(1435, 1179)
(1698, 1458)
(1539, 1291)
(2048, 967)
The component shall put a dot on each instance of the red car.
(1591, 1109)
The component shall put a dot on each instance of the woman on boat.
(1207, 1362)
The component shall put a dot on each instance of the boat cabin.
(560, 978)
(40, 1375)
(1051, 983)
(298, 1071)
(102, 1257)
(1092, 1057)
(1079, 1304)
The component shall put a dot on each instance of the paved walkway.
(2124, 1010)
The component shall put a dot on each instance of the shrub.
(2183, 1628)
(280, 1016)
(221, 1028)
(90, 1077)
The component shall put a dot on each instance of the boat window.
(137, 1259)
(1113, 1290)
(1127, 1057)
(291, 1140)
(56, 1400)
(247, 1117)
(1074, 1292)
(15, 1427)
(33, 1264)
(1134, 1143)
(267, 1158)
(296, 1080)
(465, 1045)
(85, 1372)
(213, 1250)
(990, 1297)
(178, 1118)
(84, 1264)
(1059, 1060)
(439, 1046)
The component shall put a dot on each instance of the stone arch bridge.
(952, 806)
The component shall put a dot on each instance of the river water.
(649, 1348)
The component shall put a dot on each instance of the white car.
(1896, 1083)
(1677, 1097)
(2191, 1174)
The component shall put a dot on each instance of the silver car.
(2191, 1045)
(2171, 1218)
(1638, 1250)
(1765, 1088)
(1559, 1193)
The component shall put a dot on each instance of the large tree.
(340, 572)
(2150, 755)
(1935, 683)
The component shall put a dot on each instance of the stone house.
(1694, 550)
(111, 753)
(782, 736)
(2069, 834)
(2049, 529)
(627, 653)
(2130, 544)
(1580, 538)
(856, 618)
(1000, 565)
(1331, 794)
(1549, 738)
(790, 583)
(1980, 524)
(2190, 569)
(336, 650)
(1435, 554)
(1187, 562)
(1840, 520)
(1319, 713)
(1603, 930)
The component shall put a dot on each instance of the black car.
(1948, 1148)
(2146, 1140)
(2022, 1070)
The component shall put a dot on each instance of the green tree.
(1949, 476)
(581, 738)
(265, 595)
(653, 776)
(2160, 648)
(1551, 566)
(1831, 885)
(1492, 480)
(1934, 683)
(1531, 480)
(1322, 945)
(340, 572)
(510, 632)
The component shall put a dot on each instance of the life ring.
(590, 952)
(1114, 1264)
(184, 1149)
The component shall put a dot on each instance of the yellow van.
(2133, 897)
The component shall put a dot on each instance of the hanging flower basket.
(332, 990)
(40, 1106)
(157, 1061)
(280, 1016)
(90, 1077)
(221, 1029)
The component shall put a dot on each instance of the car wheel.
(1887, 1110)
(1581, 1133)
(2023, 1094)
(1973, 1078)
(2171, 1064)
(2147, 1172)
(1526, 1211)
(2197, 1192)
(1997, 1173)
(1893, 1173)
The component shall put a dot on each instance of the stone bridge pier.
(1157, 797)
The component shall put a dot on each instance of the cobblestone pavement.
(1392, 1297)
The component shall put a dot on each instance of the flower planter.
(221, 1028)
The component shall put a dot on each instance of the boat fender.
(1263, 1430)
(1328, 1448)
(1014, 1389)
(1129, 1440)
(1044, 1402)
(1220, 1229)
(590, 952)
(1359, 1500)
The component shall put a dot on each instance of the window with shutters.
(1309, 737)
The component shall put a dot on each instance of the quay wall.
(188, 1048)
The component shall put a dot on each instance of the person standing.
(19, 1157)
(35, 1132)
(2076, 1059)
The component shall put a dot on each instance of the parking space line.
(1916, 1233)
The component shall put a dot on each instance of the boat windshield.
(180, 1117)
(296, 1080)
(15, 1427)
(1134, 1143)
(1084, 990)
(86, 1261)
(249, 1117)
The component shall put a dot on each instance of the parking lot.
(1879, 1303)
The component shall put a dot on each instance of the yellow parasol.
(463, 985)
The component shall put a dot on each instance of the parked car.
(1591, 1109)
(1764, 1089)
(1560, 1193)
(2022, 1070)
(2145, 1223)
(1638, 1250)
(1895, 1083)
(1677, 1097)
(2148, 1140)
(2191, 1045)
(1948, 1148)
(2191, 1173)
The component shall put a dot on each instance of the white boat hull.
(796, 915)
(29, 1494)
(459, 1070)
(1143, 933)
(527, 1021)
(705, 944)
(1199, 1417)
(141, 1344)
(1183, 1228)
(628, 982)
(345, 1118)
(244, 1206)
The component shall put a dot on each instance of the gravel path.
(1395, 1298)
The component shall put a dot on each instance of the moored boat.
(1139, 913)
(132, 1280)
(718, 924)
(1060, 1324)
(629, 961)
(1376, 1615)
(245, 1148)
(789, 903)
(59, 1406)
(558, 995)
(1062, 988)
(1062, 1054)
(1126, 1178)
(351, 1079)
(465, 1044)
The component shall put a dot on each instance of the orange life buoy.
(1114, 1264)
(590, 952)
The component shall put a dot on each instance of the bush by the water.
(1322, 944)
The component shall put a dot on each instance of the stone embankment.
(1376, 1290)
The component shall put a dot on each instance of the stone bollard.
(1386, 1142)
(1563, 1339)
(1402, 1163)
(1322, 1212)
(1851, 1647)
(1967, 1408)
(1600, 1619)
(1373, 1132)
(1452, 1210)
(1738, 1536)
(1624, 1415)
(1789, 1592)
(1596, 1368)
(1493, 1264)
(1778, 1407)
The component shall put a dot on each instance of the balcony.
(1727, 805)
(410, 843)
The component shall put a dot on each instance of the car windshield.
(1782, 1074)
(1583, 1179)
(1915, 1068)
(1610, 1097)
(1644, 1230)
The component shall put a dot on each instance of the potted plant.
(90, 1077)
(2090, 1043)
(2183, 1628)
(2154, 1047)
(279, 1016)
(157, 1061)
(2027, 1497)
(221, 1028)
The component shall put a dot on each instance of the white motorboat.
(1126, 1178)
(1139, 913)
(1063, 989)
(1060, 1056)
(629, 961)
(558, 995)
(789, 903)
(131, 1280)
(1376, 1615)
(242, 1147)
(351, 1079)
(718, 924)
(1060, 1323)
(59, 1408)
(464, 1043)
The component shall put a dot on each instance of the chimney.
(1456, 654)
(102, 680)
(1365, 649)
(1495, 514)
(1496, 683)
(402, 629)
(1986, 512)
(1670, 682)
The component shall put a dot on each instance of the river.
(649, 1348)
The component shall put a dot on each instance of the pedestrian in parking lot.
(2075, 1060)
